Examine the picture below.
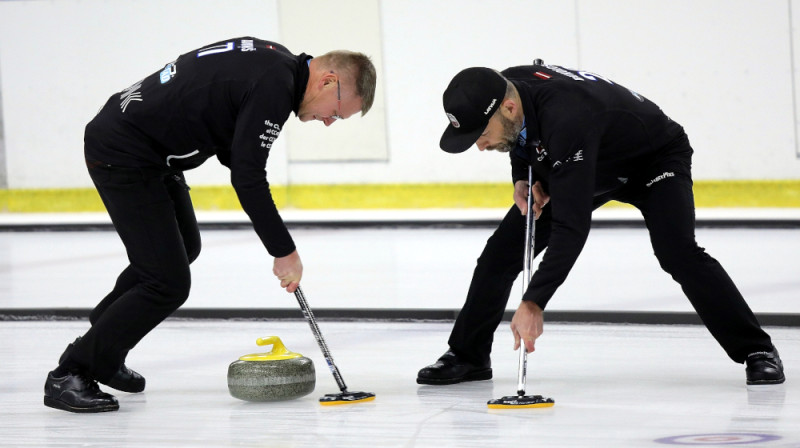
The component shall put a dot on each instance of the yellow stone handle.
(278, 352)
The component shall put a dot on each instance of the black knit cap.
(470, 100)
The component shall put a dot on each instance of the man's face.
(330, 102)
(500, 134)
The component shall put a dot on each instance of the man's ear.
(327, 78)
(509, 108)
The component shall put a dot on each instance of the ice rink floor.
(614, 385)
(394, 268)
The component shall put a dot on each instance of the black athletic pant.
(668, 210)
(152, 212)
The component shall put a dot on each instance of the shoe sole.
(124, 387)
(56, 404)
(480, 375)
(766, 382)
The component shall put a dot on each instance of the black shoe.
(449, 369)
(125, 380)
(75, 392)
(764, 368)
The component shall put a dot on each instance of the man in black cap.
(589, 141)
(228, 100)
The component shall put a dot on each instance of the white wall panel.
(62, 59)
(424, 45)
(353, 25)
(794, 6)
(427, 43)
(722, 68)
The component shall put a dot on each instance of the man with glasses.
(230, 100)
(589, 141)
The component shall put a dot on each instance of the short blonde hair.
(357, 66)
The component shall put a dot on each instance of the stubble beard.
(508, 141)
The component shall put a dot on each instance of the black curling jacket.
(229, 99)
(585, 136)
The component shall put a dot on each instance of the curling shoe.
(125, 380)
(450, 369)
(764, 368)
(76, 392)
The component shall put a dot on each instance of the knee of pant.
(94, 316)
(180, 290)
(678, 257)
(500, 259)
(172, 291)
(193, 252)
(491, 270)
(490, 264)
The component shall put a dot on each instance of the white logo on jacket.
(169, 72)
(661, 177)
(132, 93)
(270, 134)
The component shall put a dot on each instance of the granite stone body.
(271, 380)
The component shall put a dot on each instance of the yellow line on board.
(756, 193)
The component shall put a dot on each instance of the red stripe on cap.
(542, 75)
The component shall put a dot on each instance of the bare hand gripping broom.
(521, 400)
(344, 397)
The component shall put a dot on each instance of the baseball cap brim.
(456, 141)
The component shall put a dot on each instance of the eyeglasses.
(339, 99)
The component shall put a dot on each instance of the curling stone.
(273, 376)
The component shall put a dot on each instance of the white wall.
(62, 59)
(725, 69)
(355, 139)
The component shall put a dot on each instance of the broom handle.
(301, 299)
(530, 225)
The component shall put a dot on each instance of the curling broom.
(521, 400)
(343, 397)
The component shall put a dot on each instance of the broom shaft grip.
(530, 225)
(312, 322)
